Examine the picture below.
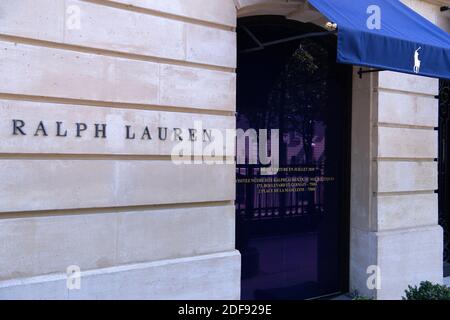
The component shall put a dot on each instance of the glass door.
(292, 227)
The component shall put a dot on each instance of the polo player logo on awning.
(417, 61)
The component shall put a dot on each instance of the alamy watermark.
(227, 146)
(73, 273)
(73, 17)
(374, 277)
(374, 19)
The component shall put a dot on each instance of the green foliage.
(361, 298)
(427, 291)
(356, 296)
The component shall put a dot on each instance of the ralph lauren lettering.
(17, 127)
(41, 130)
(99, 131)
(58, 130)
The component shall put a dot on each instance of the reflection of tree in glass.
(299, 95)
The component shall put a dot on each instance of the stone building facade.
(141, 227)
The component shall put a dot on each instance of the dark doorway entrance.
(444, 168)
(292, 228)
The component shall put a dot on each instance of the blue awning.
(405, 41)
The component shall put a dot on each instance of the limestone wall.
(138, 225)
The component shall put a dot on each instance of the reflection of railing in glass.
(252, 204)
(295, 103)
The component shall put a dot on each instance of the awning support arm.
(361, 71)
(263, 45)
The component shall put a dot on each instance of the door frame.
(444, 169)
